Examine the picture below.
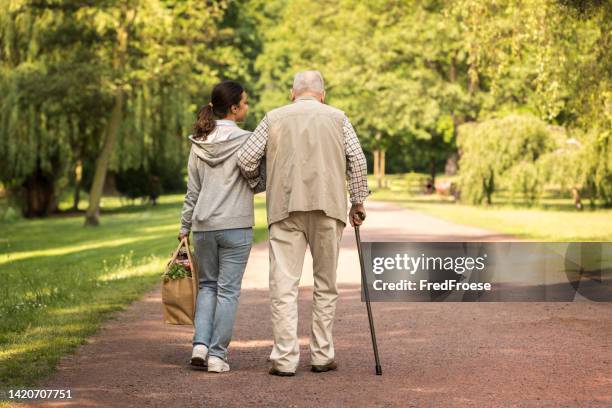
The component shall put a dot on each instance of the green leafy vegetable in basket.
(176, 271)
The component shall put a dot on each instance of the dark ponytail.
(204, 123)
(224, 95)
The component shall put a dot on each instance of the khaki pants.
(288, 240)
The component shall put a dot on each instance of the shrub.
(502, 153)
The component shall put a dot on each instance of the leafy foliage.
(61, 69)
(407, 73)
(502, 151)
(176, 271)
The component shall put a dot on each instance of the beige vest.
(305, 160)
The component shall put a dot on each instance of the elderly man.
(309, 148)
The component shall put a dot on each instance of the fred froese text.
(426, 285)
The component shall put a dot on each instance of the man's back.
(305, 160)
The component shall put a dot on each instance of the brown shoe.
(274, 371)
(323, 368)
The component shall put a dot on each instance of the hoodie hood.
(221, 144)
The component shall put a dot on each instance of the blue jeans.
(221, 257)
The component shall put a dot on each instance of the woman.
(218, 209)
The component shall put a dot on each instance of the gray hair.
(308, 81)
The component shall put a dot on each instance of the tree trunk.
(489, 188)
(78, 176)
(473, 78)
(92, 217)
(382, 167)
(39, 197)
(432, 172)
(376, 169)
(77, 196)
(452, 75)
(577, 198)
(378, 161)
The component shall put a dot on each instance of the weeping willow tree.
(92, 87)
(52, 103)
(162, 59)
(552, 59)
(503, 153)
(185, 57)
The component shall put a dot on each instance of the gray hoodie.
(218, 197)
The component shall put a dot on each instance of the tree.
(177, 51)
(138, 73)
(552, 59)
(125, 16)
(394, 67)
(502, 152)
(46, 117)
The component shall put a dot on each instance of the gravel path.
(433, 354)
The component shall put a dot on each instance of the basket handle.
(194, 274)
(194, 268)
(175, 253)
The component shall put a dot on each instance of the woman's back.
(224, 199)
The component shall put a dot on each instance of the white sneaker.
(198, 356)
(217, 365)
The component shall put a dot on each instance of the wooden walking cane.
(364, 284)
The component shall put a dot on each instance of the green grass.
(553, 219)
(61, 280)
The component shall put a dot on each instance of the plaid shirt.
(251, 153)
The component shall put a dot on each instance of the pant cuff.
(321, 362)
(284, 369)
